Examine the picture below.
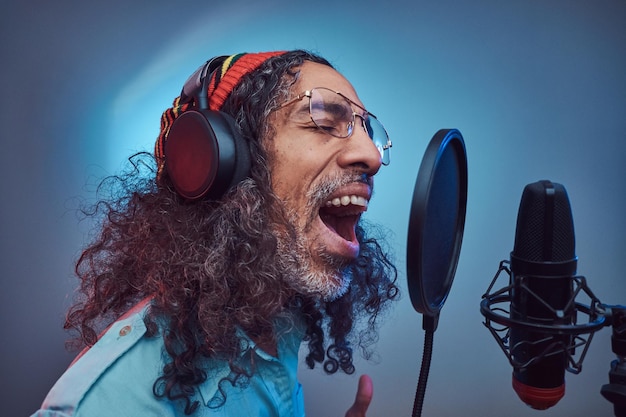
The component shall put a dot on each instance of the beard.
(310, 269)
(327, 279)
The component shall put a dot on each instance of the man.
(198, 305)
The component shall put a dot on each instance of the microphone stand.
(494, 308)
(615, 390)
(429, 324)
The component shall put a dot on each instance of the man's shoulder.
(123, 364)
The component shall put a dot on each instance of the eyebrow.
(301, 109)
(337, 109)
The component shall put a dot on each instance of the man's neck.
(268, 346)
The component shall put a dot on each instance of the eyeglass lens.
(334, 114)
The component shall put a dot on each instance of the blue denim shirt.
(115, 377)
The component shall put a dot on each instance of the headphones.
(205, 154)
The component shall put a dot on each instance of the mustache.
(318, 195)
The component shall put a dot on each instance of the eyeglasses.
(332, 112)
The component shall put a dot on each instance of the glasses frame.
(366, 114)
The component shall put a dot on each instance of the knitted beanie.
(223, 81)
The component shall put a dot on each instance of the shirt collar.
(290, 334)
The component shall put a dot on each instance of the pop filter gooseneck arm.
(436, 224)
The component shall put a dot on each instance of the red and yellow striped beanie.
(221, 84)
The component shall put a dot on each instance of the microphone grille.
(545, 228)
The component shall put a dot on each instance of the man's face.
(325, 183)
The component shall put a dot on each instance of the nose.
(359, 151)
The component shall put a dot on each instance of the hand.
(363, 397)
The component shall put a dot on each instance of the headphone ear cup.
(205, 154)
(243, 159)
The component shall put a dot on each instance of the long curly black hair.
(211, 266)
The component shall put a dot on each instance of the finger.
(363, 397)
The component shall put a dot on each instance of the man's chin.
(325, 286)
(318, 273)
(340, 290)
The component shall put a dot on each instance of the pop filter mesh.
(440, 229)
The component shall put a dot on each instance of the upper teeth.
(347, 199)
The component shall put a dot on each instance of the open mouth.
(340, 215)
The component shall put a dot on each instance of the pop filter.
(436, 223)
(436, 226)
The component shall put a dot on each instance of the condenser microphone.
(535, 317)
(543, 262)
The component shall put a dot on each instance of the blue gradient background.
(538, 89)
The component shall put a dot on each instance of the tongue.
(341, 225)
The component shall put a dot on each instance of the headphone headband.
(199, 80)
